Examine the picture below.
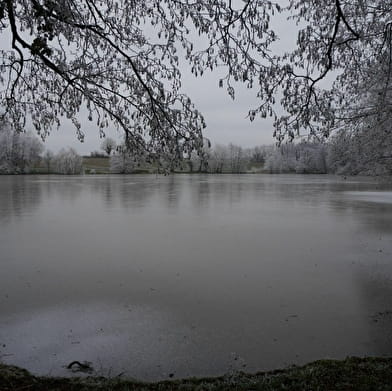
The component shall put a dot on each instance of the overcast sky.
(226, 119)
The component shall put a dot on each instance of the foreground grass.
(351, 374)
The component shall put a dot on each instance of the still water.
(193, 275)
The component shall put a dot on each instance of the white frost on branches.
(18, 151)
(68, 162)
(122, 60)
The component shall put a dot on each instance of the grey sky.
(226, 119)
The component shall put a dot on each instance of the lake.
(192, 275)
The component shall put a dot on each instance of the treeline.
(365, 152)
(300, 158)
(218, 159)
(18, 151)
(346, 153)
(304, 157)
(23, 153)
(361, 153)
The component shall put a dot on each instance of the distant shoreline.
(381, 178)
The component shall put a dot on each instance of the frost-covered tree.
(302, 158)
(108, 145)
(339, 158)
(124, 162)
(199, 160)
(258, 154)
(219, 159)
(122, 60)
(237, 159)
(367, 151)
(338, 44)
(68, 162)
(366, 148)
(228, 158)
(311, 158)
(282, 159)
(48, 160)
(18, 151)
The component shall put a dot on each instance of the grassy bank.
(96, 165)
(351, 374)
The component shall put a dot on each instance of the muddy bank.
(351, 374)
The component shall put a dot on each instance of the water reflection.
(183, 273)
(18, 196)
(22, 193)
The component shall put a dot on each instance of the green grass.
(97, 165)
(351, 374)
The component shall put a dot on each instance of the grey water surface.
(192, 275)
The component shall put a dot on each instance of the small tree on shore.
(108, 145)
(68, 162)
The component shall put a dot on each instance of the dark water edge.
(351, 374)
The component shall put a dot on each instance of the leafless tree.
(68, 162)
(48, 160)
(18, 151)
(108, 145)
(122, 60)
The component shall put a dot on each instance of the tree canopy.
(122, 59)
